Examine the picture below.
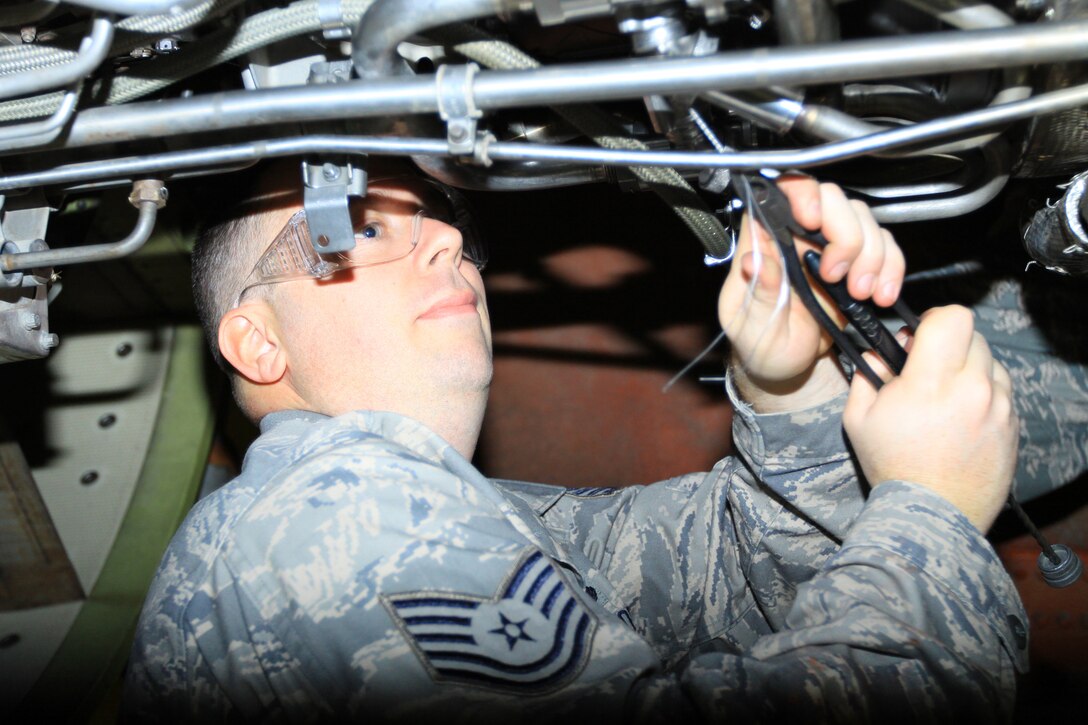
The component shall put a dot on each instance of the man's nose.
(438, 243)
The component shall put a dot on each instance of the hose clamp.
(457, 106)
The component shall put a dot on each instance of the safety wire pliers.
(772, 210)
(1059, 565)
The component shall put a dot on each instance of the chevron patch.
(532, 637)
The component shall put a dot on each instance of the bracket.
(457, 106)
(24, 307)
(326, 189)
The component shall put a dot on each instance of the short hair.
(231, 239)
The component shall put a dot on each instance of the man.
(361, 568)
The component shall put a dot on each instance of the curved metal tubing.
(387, 22)
(92, 52)
(39, 133)
(613, 80)
(139, 235)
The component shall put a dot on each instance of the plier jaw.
(771, 208)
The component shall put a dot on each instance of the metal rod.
(92, 52)
(856, 60)
(139, 235)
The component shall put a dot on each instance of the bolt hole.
(9, 640)
(322, 241)
(88, 478)
(124, 349)
(107, 420)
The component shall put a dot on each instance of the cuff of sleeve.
(776, 443)
(922, 527)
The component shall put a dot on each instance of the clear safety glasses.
(388, 222)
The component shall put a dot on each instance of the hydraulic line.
(477, 46)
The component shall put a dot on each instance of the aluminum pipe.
(857, 60)
(137, 7)
(145, 224)
(514, 151)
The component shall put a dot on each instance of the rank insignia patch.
(533, 636)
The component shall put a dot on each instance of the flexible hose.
(219, 47)
(669, 185)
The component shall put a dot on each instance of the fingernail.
(891, 290)
(902, 336)
(867, 283)
(839, 271)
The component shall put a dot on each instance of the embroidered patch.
(532, 637)
(591, 491)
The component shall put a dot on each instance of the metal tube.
(139, 235)
(934, 53)
(220, 156)
(39, 133)
(387, 22)
(136, 7)
(512, 151)
(521, 177)
(92, 52)
(815, 64)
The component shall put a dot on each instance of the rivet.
(107, 420)
(88, 478)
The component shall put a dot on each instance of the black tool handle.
(862, 317)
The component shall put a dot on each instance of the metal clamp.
(333, 24)
(327, 188)
(457, 106)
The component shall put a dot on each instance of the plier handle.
(772, 210)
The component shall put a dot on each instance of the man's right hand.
(947, 423)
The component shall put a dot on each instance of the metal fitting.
(148, 190)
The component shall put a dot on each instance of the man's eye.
(373, 230)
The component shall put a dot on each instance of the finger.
(941, 342)
(979, 357)
(804, 195)
(866, 268)
(861, 398)
(890, 280)
(843, 231)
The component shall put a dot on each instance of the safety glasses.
(388, 222)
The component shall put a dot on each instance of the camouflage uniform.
(360, 568)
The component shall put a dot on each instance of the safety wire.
(737, 321)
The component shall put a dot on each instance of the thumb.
(766, 271)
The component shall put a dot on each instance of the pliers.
(772, 209)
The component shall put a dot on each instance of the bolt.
(331, 172)
(167, 45)
(49, 340)
(88, 477)
(107, 420)
(458, 133)
(141, 53)
(32, 320)
(28, 34)
(164, 193)
(755, 22)
(124, 349)
(9, 640)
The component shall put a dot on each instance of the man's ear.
(249, 341)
